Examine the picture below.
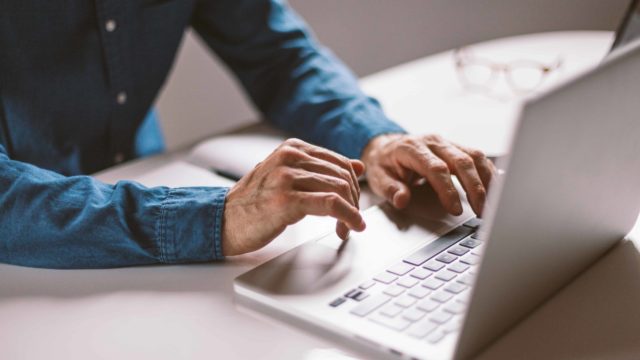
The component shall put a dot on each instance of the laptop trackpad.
(305, 269)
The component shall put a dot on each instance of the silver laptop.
(420, 284)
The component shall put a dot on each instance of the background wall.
(201, 99)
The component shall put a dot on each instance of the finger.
(342, 230)
(320, 166)
(394, 190)
(333, 158)
(464, 168)
(314, 182)
(484, 166)
(341, 161)
(421, 160)
(358, 167)
(330, 204)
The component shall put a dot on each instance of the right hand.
(296, 180)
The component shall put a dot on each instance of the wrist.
(375, 144)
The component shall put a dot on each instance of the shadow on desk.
(596, 317)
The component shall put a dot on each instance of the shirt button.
(118, 158)
(110, 25)
(121, 98)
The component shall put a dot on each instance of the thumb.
(395, 191)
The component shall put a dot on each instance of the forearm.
(296, 83)
(54, 221)
(328, 108)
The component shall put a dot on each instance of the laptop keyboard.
(425, 295)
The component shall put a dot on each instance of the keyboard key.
(441, 296)
(413, 315)
(469, 243)
(445, 275)
(473, 223)
(366, 285)
(458, 267)
(476, 235)
(405, 301)
(440, 317)
(478, 250)
(356, 294)
(419, 292)
(395, 323)
(421, 273)
(337, 302)
(408, 282)
(470, 259)
(370, 304)
(454, 307)
(391, 310)
(466, 279)
(425, 253)
(360, 296)
(400, 269)
(458, 250)
(427, 305)
(432, 283)
(421, 329)
(436, 336)
(455, 287)
(351, 293)
(433, 265)
(464, 297)
(446, 258)
(452, 326)
(385, 278)
(394, 290)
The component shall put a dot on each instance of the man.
(77, 80)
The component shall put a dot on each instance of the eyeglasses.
(480, 74)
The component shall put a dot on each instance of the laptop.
(629, 28)
(421, 284)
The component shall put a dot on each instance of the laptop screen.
(629, 30)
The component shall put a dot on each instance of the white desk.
(186, 312)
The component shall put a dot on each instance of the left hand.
(395, 161)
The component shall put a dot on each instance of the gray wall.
(201, 99)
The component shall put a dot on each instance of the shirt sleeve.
(296, 83)
(52, 221)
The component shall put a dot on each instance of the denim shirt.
(77, 81)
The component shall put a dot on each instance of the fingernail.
(362, 225)
(396, 199)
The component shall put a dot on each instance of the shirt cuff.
(363, 123)
(190, 225)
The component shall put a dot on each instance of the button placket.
(113, 17)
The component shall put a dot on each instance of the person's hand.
(296, 180)
(395, 162)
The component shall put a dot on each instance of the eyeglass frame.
(461, 54)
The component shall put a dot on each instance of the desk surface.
(170, 312)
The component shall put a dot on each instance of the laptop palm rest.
(306, 269)
(321, 264)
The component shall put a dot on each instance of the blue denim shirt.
(77, 81)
